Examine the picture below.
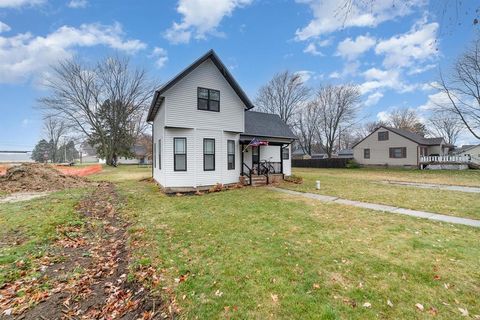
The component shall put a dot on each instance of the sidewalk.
(385, 208)
(436, 186)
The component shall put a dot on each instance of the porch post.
(258, 164)
(241, 157)
(281, 159)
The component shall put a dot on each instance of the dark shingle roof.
(408, 135)
(223, 70)
(416, 137)
(266, 125)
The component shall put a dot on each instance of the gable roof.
(410, 136)
(466, 147)
(221, 67)
(266, 125)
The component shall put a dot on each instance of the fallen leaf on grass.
(389, 303)
(274, 297)
(419, 306)
(433, 311)
(464, 312)
(316, 286)
(367, 305)
(218, 293)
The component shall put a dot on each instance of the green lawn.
(255, 253)
(28, 228)
(369, 185)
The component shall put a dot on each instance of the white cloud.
(383, 116)
(305, 75)
(373, 99)
(160, 55)
(421, 69)
(25, 55)
(351, 49)
(4, 27)
(376, 79)
(19, 3)
(408, 49)
(201, 17)
(329, 15)
(334, 75)
(311, 48)
(77, 4)
(434, 101)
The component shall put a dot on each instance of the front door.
(255, 159)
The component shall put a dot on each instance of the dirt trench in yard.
(86, 274)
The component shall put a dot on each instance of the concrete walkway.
(436, 186)
(23, 196)
(384, 208)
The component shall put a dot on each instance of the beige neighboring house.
(397, 147)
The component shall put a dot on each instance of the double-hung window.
(208, 154)
(231, 154)
(285, 154)
(398, 152)
(366, 153)
(208, 99)
(180, 154)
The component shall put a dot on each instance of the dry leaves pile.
(86, 275)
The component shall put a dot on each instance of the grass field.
(255, 253)
(28, 228)
(369, 185)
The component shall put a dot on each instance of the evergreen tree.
(42, 151)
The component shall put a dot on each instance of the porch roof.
(266, 125)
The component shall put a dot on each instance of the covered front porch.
(264, 157)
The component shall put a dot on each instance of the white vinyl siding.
(182, 103)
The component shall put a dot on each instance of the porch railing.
(248, 172)
(445, 159)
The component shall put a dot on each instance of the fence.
(320, 163)
(445, 159)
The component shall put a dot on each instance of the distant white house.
(204, 133)
(88, 154)
(472, 151)
(15, 156)
(397, 147)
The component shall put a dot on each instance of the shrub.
(352, 164)
(294, 179)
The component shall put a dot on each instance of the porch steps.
(259, 181)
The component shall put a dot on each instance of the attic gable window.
(208, 99)
(382, 135)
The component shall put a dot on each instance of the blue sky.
(392, 52)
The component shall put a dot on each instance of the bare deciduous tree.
(106, 103)
(462, 89)
(307, 127)
(54, 130)
(284, 94)
(337, 107)
(443, 124)
(406, 119)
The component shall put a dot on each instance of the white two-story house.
(204, 133)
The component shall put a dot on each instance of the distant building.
(7, 156)
(345, 153)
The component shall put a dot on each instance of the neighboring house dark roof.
(345, 152)
(223, 70)
(410, 136)
(261, 124)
